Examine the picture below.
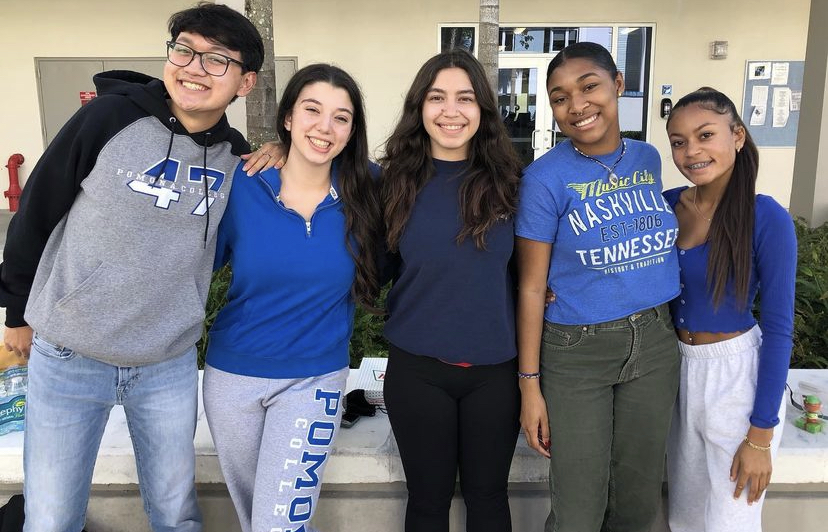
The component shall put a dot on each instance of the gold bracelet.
(763, 448)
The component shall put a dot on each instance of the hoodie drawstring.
(204, 184)
(173, 122)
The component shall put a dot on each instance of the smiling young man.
(110, 256)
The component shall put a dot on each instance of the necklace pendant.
(613, 179)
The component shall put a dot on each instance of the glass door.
(524, 105)
(525, 53)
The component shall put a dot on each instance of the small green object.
(812, 400)
(809, 424)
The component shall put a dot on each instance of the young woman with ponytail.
(732, 244)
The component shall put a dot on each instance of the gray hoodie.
(124, 250)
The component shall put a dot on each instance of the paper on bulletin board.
(781, 106)
(796, 100)
(781, 97)
(759, 95)
(757, 116)
(780, 116)
(779, 73)
(759, 70)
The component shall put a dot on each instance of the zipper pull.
(308, 228)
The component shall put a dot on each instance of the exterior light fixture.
(718, 50)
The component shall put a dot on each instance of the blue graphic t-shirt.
(613, 244)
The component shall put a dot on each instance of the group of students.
(113, 252)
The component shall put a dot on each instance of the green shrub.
(635, 135)
(811, 308)
(367, 340)
(216, 299)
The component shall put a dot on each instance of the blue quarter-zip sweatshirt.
(289, 312)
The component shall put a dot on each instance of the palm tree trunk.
(487, 45)
(261, 102)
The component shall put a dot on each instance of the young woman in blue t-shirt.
(450, 180)
(733, 244)
(599, 367)
(301, 241)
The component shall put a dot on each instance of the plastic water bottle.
(13, 384)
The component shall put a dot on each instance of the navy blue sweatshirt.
(452, 301)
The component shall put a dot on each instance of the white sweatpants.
(716, 392)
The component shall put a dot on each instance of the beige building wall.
(383, 42)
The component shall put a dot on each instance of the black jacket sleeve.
(47, 196)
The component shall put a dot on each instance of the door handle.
(534, 144)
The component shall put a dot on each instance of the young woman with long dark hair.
(301, 242)
(733, 244)
(599, 367)
(450, 180)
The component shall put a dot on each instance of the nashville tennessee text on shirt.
(629, 218)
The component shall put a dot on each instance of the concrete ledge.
(803, 457)
(364, 483)
(367, 453)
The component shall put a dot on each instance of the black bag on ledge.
(11, 515)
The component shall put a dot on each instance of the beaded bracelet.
(763, 448)
(523, 375)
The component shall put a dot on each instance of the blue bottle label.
(13, 410)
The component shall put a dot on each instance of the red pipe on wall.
(13, 193)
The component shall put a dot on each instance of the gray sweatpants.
(273, 438)
(718, 385)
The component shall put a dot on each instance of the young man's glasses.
(212, 63)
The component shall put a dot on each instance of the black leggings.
(445, 417)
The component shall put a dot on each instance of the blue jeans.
(68, 404)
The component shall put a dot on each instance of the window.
(536, 40)
(464, 37)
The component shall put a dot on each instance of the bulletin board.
(772, 99)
